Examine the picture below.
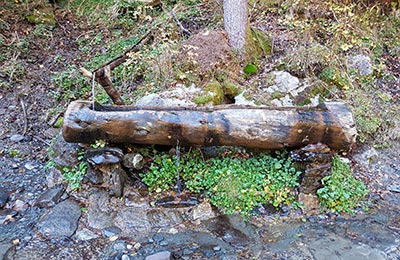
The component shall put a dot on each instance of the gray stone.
(107, 155)
(125, 257)
(54, 177)
(84, 235)
(99, 214)
(337, 248)
(285, 82)
(50, 197)
(17, 138)
(242, 101)
(158, 100)
(6, 214)
(362, 63)
(7, 250)
(367, 157)
(203, 211)
(133, 160)
(61, 221)
(164, 255)
(63, 153)
(111, 231)
(3, 198)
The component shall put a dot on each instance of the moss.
(333, 76)
(277, 94)
(231, 89)
(257, 46)
(217, 91)
(42, 15)
(202, 100)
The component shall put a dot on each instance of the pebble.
(111, 231)
(85, 235)
(30, 166)
(125, 257)
(163, 255)
(137, 246)
(216, 248)
(17, 138)
(163, 243)
(119, 245)
(50, 197)
(158, 238)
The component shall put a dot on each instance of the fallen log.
(256, 127)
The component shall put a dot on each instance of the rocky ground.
(41, 218)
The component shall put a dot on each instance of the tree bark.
(255, 127)
(235, 23)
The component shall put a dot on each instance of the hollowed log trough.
(330, 123)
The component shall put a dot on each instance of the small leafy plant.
(341, 192)
(232, 184)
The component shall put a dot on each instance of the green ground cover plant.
(233, 184)
(341, 192)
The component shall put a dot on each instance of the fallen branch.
(103, 73)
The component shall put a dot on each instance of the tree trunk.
(255, 127)
(235, 23)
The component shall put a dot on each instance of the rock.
(50, 197)
(367, 157)
(335, 248)
(7, 215)
(203, 211)
(61, 221)
(164, 255)
(156, 100)
(17, 138)
(84, 235)
(19, 205)
(62, 153)
(111, 231)
(7, 250)
(133, 161)
(316, 161)
(125, 257)
(284, 82)
(93, 176)
(240, 100)
(54, 177)
(394, 188)
(99, 214)
(310, 202)
(107, 155)
(361, 63)
(3, 198)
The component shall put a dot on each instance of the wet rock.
(7, 250)
(111, 231)
(54, 177)
(63, 153)
(85, 235)
(361, 63)
(335, 248)
(203, 211)
(181, 201)
(107, 155)
(133, 161)
(61, 221)
(164, 255)
(3, 198)
(310, 202)
(316, 162)
(50, 197)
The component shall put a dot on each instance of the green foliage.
(341, 192)
(232, 184)
(70, 85)
(75, 175)
(333, 76)
(250, 69)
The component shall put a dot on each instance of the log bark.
(255, 127)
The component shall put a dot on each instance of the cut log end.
(255, 127)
